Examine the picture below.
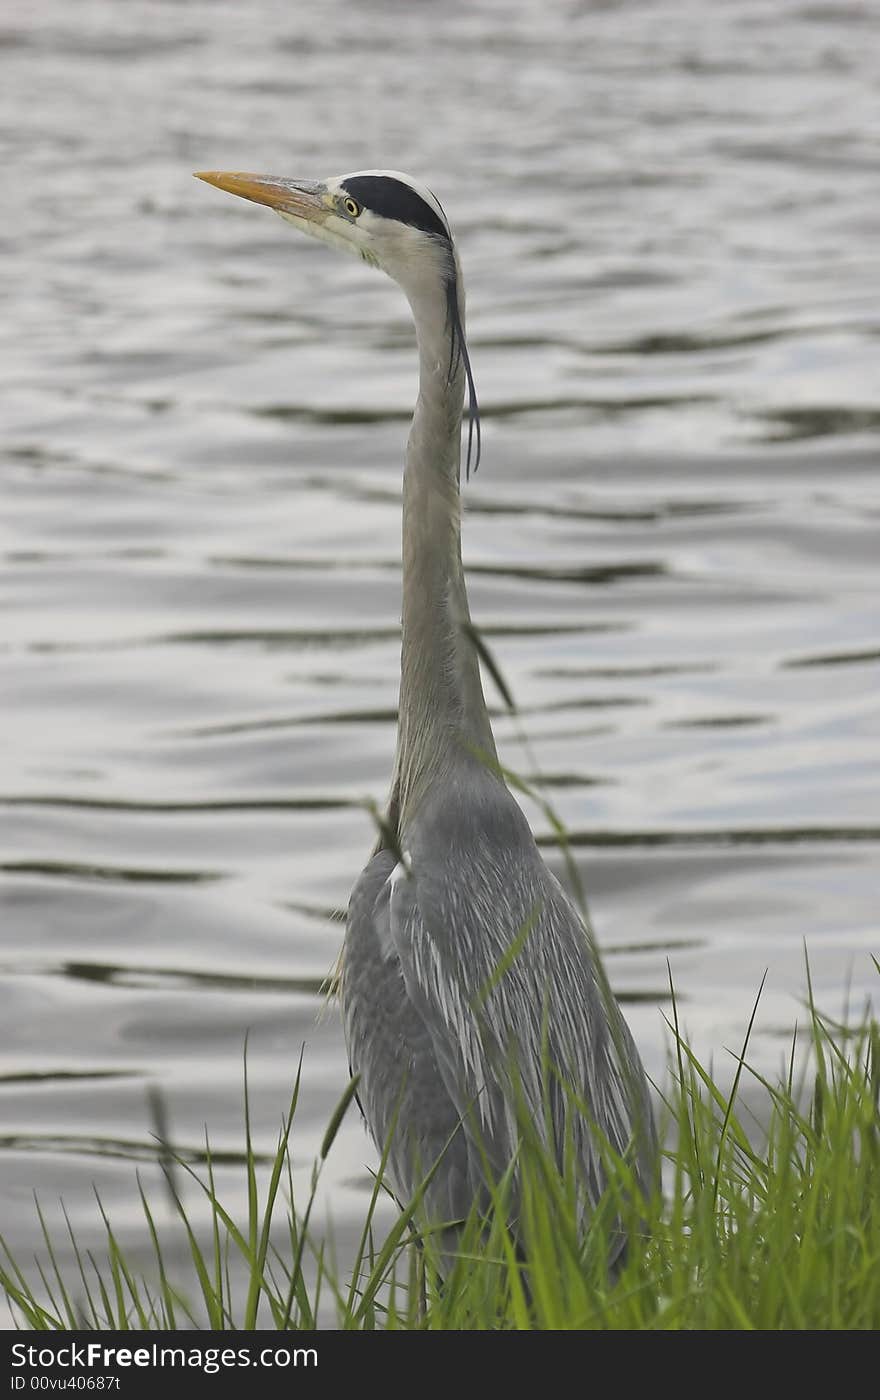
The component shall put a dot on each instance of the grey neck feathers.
(443, 723)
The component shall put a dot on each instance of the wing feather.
(470, 976)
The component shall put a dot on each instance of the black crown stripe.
(394, 200)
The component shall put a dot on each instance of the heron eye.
(352, 207)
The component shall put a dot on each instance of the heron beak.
(297, 199)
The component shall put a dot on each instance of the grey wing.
(449, 1014)
(433, 1043)
(403, 1087)
(548, 1010)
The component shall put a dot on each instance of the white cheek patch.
(324, 232)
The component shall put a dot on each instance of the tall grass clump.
(771, 1224)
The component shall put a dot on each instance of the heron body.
(471, 986)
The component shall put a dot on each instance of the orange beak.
(299, 198)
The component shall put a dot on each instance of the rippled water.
(668, 218)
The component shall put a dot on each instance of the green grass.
(764, 1226)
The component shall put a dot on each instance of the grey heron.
(449, 1033)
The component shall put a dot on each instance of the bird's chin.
(325, 232)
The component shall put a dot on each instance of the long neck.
(442, 715)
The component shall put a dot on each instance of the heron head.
(393, 223)
(389, 220)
